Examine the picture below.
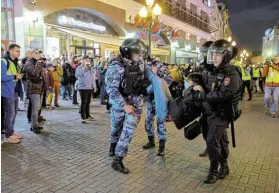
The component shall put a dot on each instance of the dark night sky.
(250, 18)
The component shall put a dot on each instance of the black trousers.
(246, 83)
(204, 126)
(261, 83)
(85, 96)
(217, 139)
(44, 99)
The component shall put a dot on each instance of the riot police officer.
(164, 74)
(223, 95)
(124, 79)
(206, 68)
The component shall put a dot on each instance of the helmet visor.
(215, 56)
(201, 57)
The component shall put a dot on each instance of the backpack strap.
(7, 62)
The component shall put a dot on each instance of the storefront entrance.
(83, 50)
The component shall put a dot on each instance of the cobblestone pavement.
(72, 157)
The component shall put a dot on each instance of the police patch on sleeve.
(227, 81)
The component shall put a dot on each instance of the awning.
(89, 36)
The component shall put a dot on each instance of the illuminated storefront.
(75, 31)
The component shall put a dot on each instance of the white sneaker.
(84, 121)
(273, 114)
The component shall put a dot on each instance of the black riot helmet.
(202, 53)
(224, 48)
(131, 46)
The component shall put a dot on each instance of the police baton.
(233, 135)
(232, 127)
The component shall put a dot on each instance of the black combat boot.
(112, 149)
(224, 169)
(212, 176)
(204, 154)
(118, 165)
(150, 144)
(161, 151)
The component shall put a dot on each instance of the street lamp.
(233, 43)
(150, 14)
(230, 39)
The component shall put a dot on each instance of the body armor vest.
(216, 80)
(132, 81)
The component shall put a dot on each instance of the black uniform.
(222, 92)
(223, 95)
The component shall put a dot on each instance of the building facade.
(7, 23)
(99, 26)
(271, 42)
(225, 17)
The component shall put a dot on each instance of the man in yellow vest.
(271, 72)
(256, 77)
(246, 80)
(11, 89)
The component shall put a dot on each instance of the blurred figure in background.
(246, 80)
(256, 77)
(102, 71)
(49, 84)
(72, 78)
(57, 73)
(271, 72)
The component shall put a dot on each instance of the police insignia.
(227, 81)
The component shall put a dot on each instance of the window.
(11, 25)
(4, 27)
(10, 4)
(7, 20)
(3, 3)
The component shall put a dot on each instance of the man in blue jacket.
(11, 89)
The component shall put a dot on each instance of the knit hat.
(49, 65)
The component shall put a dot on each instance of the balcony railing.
(182, 14)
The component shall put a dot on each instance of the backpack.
(7, 62)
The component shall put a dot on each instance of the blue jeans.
(274, 92)
(66, 90)
(10, 107)
(103, 92)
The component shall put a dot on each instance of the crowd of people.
(40, 81)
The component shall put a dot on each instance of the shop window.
(4, 27)
(97, 52)
(3, 3)
(11, 25)
(10, 4)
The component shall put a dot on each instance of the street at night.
(139, 96)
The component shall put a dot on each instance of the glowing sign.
(64, 20)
